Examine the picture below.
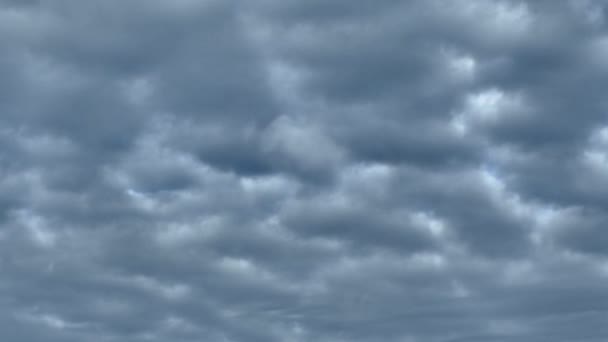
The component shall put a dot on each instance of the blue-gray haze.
(303, 170)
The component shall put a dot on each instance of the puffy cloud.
(303, 170)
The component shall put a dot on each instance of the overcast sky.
(303, 170)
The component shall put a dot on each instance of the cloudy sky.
(303, 170)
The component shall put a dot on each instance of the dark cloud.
(303, 170)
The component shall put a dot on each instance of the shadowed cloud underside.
(294, 171)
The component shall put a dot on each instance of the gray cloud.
(303, 170)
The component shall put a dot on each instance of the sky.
(303, 170)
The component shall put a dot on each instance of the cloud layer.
(283, 170)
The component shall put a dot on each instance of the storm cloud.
(303, 170)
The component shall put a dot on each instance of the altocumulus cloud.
(289, 170)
